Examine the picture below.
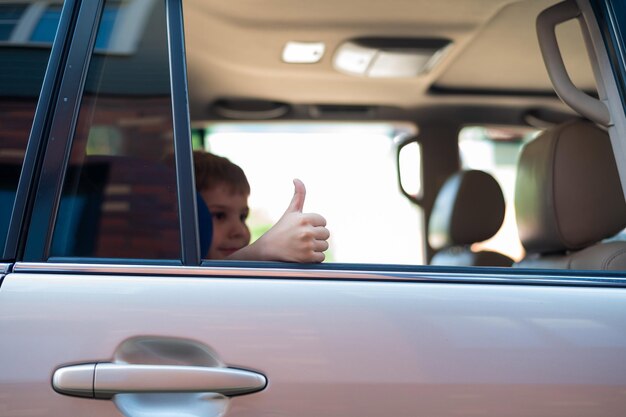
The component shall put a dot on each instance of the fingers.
(297, 202)
(318, 257)
(321, 233)
(320, 243)
(320, 246)
(314, 219)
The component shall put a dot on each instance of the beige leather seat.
(469, 208)
(568, 198)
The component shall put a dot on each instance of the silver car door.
(329, 342)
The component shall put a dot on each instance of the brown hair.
(212, 170)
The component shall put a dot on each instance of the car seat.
(205, 226)
(468, 209)
(568, 197)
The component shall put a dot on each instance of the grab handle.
(587, 106)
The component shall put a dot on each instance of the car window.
(21, 76)
(119, 198)
(478, 83)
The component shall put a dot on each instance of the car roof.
(234, 51)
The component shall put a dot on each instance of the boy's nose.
(237, 230)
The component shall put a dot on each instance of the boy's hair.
(212, 170)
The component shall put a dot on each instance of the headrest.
(469, 208)
(568, 193)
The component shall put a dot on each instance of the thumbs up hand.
(297, 202)
(296, 237)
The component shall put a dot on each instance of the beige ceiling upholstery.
(505, 54)
(234, 49)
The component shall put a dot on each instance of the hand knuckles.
(306, 235)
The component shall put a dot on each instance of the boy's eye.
(219, 215)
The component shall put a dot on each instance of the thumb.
(297, 202)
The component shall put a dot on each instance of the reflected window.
(119, 198)
(47, 24)
(122, 23)
(10, 15)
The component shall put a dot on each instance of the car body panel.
(329, 347)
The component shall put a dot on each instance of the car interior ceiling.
(493, 62)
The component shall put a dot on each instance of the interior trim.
(438, 90)
(607, 80)
(428, 274)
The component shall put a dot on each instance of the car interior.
(504, 172)
(440, 67)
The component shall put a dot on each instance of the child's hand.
(296, 237)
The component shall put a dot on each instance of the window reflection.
(34, 23)
(21, 77)
(119, 199)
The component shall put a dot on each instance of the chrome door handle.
(104, 380)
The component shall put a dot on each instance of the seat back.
(205, 226)
(468, 209)
(568, 198)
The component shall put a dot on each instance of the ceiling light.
(389, 57)
(303, 52)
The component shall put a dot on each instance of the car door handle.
(104, 380)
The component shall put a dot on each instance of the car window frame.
(190, 255)
(53, 134)
(610, 27)
(44, 112)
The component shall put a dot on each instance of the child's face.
(229, 211)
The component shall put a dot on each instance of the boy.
(296, 237)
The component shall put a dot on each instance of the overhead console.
(389, 57)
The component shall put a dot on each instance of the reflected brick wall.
(16, 118)
(132, 136)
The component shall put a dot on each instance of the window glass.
(10, 15)
(121, 27)
(119, 198)
(109, 16)
(349, 171)
(495, 150)
(46, 26)
(21, 77)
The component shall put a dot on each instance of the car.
(468, 162)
